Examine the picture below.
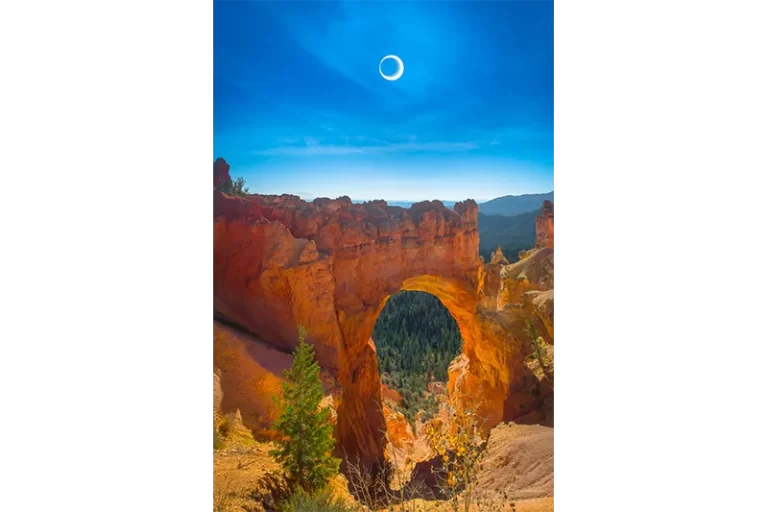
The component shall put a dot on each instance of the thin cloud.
(521, 134)
(312, 148)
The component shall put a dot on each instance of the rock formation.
(249, 374)
(498, 257)
(390, 395)
(330, 266)
(220, 172)
(541, 305)
(545, 226)
(400, 431)
(218, 394)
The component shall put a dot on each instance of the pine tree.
(307, 441)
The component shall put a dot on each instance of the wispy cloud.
(339, 145)
(312, 147)
(516, 135)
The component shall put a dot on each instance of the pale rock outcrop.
(545, 226)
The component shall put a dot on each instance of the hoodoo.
(545, 226)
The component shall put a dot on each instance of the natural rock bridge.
(330, 265)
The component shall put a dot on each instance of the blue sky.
(300, 106)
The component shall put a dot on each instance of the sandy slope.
(520, 460)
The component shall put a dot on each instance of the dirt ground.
(239, 476)
(536, 505)
(237, 473)
(519, 461)
(529, 505)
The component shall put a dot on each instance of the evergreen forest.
(416, 339)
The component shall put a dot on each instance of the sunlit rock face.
(248, 375)
(390, 395)
(400, 432)
(330, 265)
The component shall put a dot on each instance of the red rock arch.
(330, 265)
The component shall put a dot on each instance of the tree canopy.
(307, 442)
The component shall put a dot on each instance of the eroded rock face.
(541, 304)
(534, 272)
(390, 395)
(330, 266)
(498, 257)
(400, 432)
(220, 172)
(248, 374)
(218, 394)
(246, 378)
(545, 226)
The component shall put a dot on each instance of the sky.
(300, 106)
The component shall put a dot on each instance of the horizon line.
(311, 197)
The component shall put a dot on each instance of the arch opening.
(416, 339)
(488, 369)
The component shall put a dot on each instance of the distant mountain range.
(512, 234)
(509, 222)
(508, 206)
(515, 205)
(406, 204)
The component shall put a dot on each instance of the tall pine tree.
(305, 447)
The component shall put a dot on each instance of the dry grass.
(237, 473)
(239, 476)
(518, 462)
(529, 505)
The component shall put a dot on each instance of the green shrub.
(322, 501)
(233, 188)
(218, 441)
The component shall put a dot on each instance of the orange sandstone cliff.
(248, 374)
(330, 265)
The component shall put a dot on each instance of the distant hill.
(408, 204)
(515, 205)
(513, 234)
(404, 204)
